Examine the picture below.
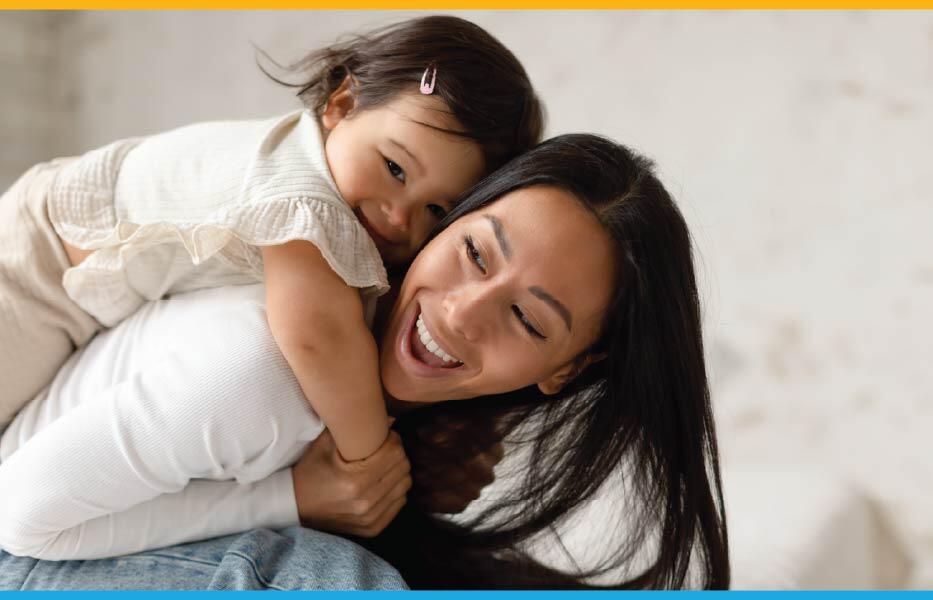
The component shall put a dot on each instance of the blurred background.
(800, 148)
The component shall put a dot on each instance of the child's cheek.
(350, 174)
(352, 187)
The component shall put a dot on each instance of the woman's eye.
(526, 323)
(437, 211)
(395, 170)
(474, 255)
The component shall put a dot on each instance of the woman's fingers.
(395, 496)
(388, 488)
(383, 518)
(372, 515)
(399, 474)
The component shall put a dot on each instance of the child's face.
(399, 176)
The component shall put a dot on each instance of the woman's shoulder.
(220, 339)
(219, 314)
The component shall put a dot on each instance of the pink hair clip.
(428, 88)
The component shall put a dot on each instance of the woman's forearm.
(228, 409)
(202, 509)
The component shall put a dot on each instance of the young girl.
(397, 125)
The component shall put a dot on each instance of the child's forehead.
(429, 111)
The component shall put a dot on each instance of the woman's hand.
(356, 498)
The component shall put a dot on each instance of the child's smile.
(396, 169)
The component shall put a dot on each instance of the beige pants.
(40, 327)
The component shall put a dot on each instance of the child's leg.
(39, 325)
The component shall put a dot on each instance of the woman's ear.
(567, 373)
(339, 105)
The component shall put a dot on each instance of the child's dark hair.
(485, 86)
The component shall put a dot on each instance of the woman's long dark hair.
(485, 87)
(642, 414)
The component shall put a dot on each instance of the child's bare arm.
(318, 322)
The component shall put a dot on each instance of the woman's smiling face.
(505, 297)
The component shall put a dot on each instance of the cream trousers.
(40, 327)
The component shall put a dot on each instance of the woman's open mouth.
(426, 350)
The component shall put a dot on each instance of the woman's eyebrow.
(539, 293)
(553, 303)
(500, 236)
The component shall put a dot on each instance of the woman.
(564, 287)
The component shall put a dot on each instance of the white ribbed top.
(173, 427)
(189, 209)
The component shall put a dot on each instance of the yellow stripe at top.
(464, 4)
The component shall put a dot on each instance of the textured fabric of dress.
(190, 209)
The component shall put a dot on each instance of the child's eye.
(395, 170)
(437, 211)
(526, 323)
(475, 255)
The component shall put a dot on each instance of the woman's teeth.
(430, 344)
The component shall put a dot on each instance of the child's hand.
(357, 498)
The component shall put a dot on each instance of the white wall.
(31, 100)
(798, 144)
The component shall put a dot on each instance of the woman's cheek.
(513, 370)
(438, 261)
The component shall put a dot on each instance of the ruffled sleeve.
(219, 190)
(101, 284)
(336, 232)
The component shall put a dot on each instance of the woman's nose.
(467, 310)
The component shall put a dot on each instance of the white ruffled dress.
(190, 208)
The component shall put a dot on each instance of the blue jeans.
(290, 559)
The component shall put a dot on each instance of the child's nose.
(398, 216)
